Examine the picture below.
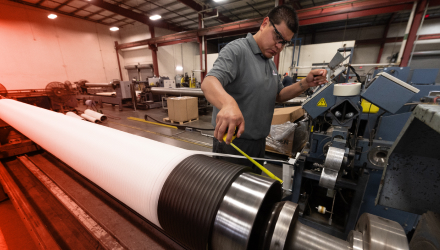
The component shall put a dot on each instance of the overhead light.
(114, 28)
(179, 68)
(155, 17)
(218, 0)
(52, 16)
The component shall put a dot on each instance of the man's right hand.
(229, 117)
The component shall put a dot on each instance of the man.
(287, 81)
(243, 85)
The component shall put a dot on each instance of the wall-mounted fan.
(60, 94)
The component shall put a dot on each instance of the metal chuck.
(284, 231)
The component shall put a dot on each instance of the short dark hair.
(287, 14)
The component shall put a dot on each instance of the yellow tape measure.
(253, 161)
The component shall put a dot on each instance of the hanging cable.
(354, 71)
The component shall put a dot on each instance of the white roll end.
(347, 89)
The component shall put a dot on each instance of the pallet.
(167, 119)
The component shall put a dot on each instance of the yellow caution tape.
(168, 136)
(253, 161)
(155, 123)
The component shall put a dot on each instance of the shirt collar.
(253, 44)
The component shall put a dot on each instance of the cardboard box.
(182, 109)
(282, 115)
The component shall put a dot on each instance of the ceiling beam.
(394, 39)
(162, 7)
(72, 14)
(63, 4)
(246, 10)
(95, 13)
(347, 7)
(333, 12)
(135, 16)
(350, 9)
(197, 7)
(255, 9)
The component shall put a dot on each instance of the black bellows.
(191, 196)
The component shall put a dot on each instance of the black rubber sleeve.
(191, 196)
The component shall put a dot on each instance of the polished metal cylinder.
(308, 238)
(242, 217)
(106, 84)
(381, 234)
(177, 91)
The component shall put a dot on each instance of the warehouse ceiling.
(181, 15)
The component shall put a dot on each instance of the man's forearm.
(292, 91)
(215, 93)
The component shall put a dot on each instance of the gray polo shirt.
(252, 80)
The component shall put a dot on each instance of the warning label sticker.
(322, 103)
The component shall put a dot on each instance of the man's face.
(271, 41)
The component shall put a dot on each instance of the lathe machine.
(351, 163)
(116, 92)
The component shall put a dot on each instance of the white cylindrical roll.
(347, 89)
(89, 118)
(89, 84)
(71, 114)
(95, 114)
(131, 168)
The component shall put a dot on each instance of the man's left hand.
(316, 77)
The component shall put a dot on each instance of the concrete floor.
(190, 140)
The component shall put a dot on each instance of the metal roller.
(332, 165)
(106, 84)
(242, 217)
(381, 234)
(178, 91)
(372, 232)
(113, 84)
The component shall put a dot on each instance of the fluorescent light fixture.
(218, 0)
(155, 17)
(179, 68)
(114, 28)
(52, 16)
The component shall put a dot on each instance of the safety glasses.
(279, 37)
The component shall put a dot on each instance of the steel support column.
(206, 57)
(199, 40)
(413, 33)
(153, 49)
(117, 56)
(384, 37)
